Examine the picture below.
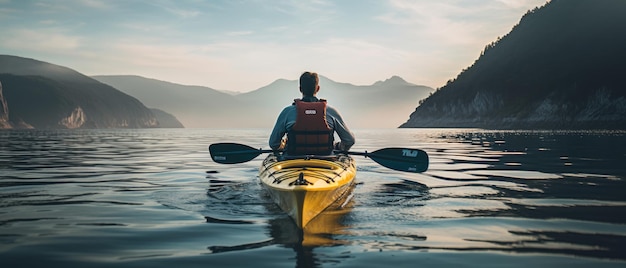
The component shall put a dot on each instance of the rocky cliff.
(166, 120)
(4, 111)
(561, 67)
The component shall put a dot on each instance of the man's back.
(287, 119)
(309, 86)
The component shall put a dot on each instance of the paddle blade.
(232, 153)
(401, 159)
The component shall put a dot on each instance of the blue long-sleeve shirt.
(287, 119)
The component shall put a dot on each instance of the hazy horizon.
(294, 79)
(196, 108)
(244, 45)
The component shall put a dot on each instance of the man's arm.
(280, 128)
(345, 135)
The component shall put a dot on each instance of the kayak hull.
(304, 188)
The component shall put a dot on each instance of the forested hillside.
(562, 66)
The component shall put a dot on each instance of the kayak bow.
(305, 187)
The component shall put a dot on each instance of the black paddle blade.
(401, 159)
(233, 153)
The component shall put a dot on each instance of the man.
(310, 124)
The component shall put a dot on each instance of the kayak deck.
(305, 187)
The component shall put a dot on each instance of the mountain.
(194, 106)
(383, 104)
(37, 94)
(166, 120)
(562, 66)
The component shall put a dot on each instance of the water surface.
(153, 198)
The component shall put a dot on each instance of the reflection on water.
(154, 198)
(322, 231)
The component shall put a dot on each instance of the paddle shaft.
(401, 159)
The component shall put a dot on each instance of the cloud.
(302, 7)
(357, 60)
(94, 4)
(174, 8)
(520, 4)
(459, 22)
(41, 40)
(239, 33)
(182, 13)
(218, 65)
(221, 64)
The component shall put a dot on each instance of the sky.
(242, 45)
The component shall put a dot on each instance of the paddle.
(233, 153)
(401, 159)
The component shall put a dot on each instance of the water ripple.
(154, 198)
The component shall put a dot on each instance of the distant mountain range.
(562, 67)
(384, 104)
(36, 94)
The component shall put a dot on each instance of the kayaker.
(310, 124)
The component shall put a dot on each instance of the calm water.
(153, 198)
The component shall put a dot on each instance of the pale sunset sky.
(242, 45)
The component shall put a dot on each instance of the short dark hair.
(308, 83)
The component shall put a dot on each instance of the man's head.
(309, 84)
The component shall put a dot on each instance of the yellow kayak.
(303, 188)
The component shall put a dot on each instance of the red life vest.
(310, 135)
